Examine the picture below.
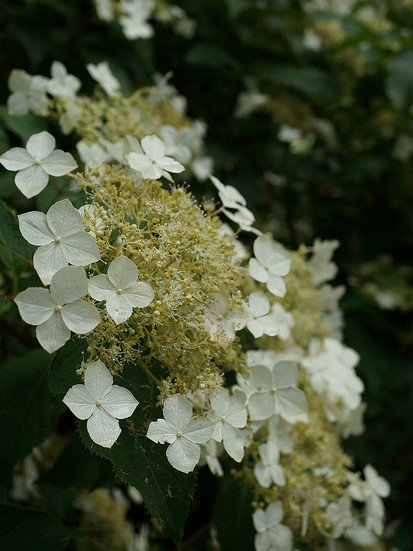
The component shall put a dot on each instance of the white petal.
(118, 308)
(31, 180)
(220, 402)
(79, 401)
(255, 327)
(98, 380)
(59, 163)
(183, 455)
(177, 411)
(169, 164)
(281, 266)
(48, 260)
(261, 406)
(259, 520)
(236, 414)
(100, 288)
(19, 81)
(35, 305)
(33, 227)
(153, 147)
(285, 374)
(16, 158)
(258, 272)
(40, 145)
(274, 513)
(80, 249)
(103, 429)
(233, 442)
(64, 219)
(122, 272)
(290, 402)
(139, 294)
(276, 285)
(68, 284)
(119, 402)
(17, 104)
(199, 431)
(262, 475)
(80, 317)
(144, 165)
(160, 431)
(260, 378)
(259, 304)
(269, 325)
(281, 538)
(53, 333)
(264, 250)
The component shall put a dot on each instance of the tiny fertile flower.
(275, 391)
(272, 535)
(260, 322)
(228, 415)
(61, 239)
(120, 289)
(152, 163)
(59, 311)
(62, 84)
(268, 471)
(270, 265)
(102, 403)
(36, 162)
(28, 94)
(104, 76)
(182, 432)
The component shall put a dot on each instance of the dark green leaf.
(399, 82)
(30, 530)
(28, 412)
(12, 243)
(64, 364)
(23, 126)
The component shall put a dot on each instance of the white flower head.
(321, 267)
(275, 391)
(28, 94)
(104, 76)
(36, 162)
(228, 415)
(268, 471)
(152, 162)
(61, 239)
(339, 516)
(62, 84)
(135, 19)
(272, 535)
(182, 432)
(102, 403)
(260, 321)
(270, 265)
(120, 289)
(58, 311)
(284, 320)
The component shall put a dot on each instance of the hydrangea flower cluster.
(149, 278)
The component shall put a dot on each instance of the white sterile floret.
(104, 76)
(268, 471)
(339, 516)
(59, 311)
(120, 289)
(228, 415)
(272, 535)
(270, 265)
(102, 403)
(260, 321)
(275, 391)
(36, 162)
(209, 455)
(61, 239)
(321, 267)
(135, 19)
(62, 84)
(151, 162)
(183, 432)
(28, 94)
(221, 322)
(278, 432)
(231, 198)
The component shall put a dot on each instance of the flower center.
(179, 434)
(98, 403)
(57, 308)
(58, 239)
(37, 162)
(223, 419)
(274, 389)
(119, 291)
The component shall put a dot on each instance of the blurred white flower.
(62, 84)
(134, 20)
(260, 321)
(270, 265)
(28, 94)
(321, 267)
(222, 322)
(152, 162)
(268, 471)
(272, 535)
(104, 76)
(102, 403)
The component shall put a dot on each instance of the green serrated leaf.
(141, 463)
(232, 515)
(27, 409)
(12, 244)
(23, 126)
(23, 529)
